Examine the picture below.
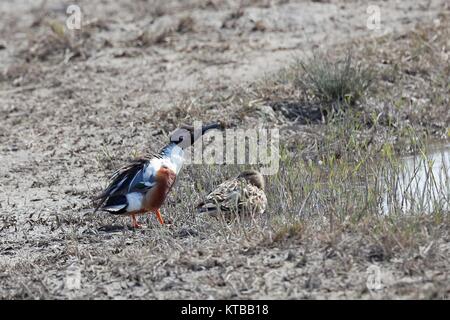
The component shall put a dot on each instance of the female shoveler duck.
(243, 195)
(142, 186)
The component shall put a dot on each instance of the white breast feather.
(176, 157)
(174, 161)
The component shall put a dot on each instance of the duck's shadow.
(112, 228)
(117, 228)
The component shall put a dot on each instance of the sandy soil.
(72, 108)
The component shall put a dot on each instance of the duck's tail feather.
(115, 204)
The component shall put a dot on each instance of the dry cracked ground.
(76, 104)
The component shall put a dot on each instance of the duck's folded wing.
(138, 176)
(226, 198)
(234, 196)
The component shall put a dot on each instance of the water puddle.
(420, 183)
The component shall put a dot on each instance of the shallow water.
(420, 183)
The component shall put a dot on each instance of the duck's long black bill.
(185, 136)
(216, 125)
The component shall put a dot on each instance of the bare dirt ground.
(75, 105)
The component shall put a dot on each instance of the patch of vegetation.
(333, 81)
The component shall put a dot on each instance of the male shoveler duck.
(142, 186)
(243, 195)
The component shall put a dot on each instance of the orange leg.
(134, 224)
(158, 216)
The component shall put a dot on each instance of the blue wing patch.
(143, 180)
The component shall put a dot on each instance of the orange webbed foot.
(134, 223)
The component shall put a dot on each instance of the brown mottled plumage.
(243, 195)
